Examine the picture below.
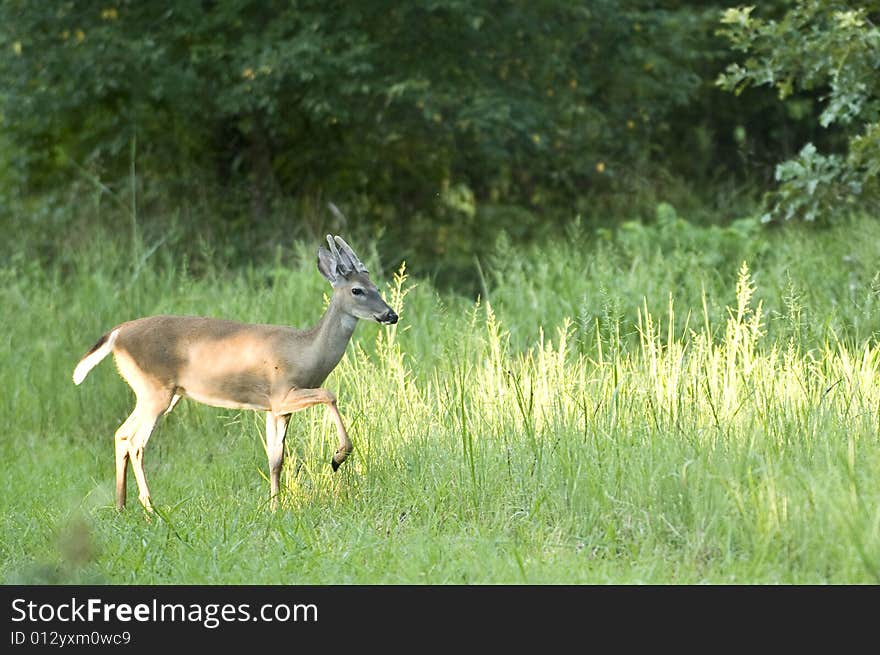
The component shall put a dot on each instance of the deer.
(274, 369)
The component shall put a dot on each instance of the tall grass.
(668, 404)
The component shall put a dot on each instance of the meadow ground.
(662, 404)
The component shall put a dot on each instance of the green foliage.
(437, 121)
(599, 279)
(825, 47)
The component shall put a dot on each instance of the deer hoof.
(334, 464)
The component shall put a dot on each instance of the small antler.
(353, 259)
(346, 261)
(335, 252)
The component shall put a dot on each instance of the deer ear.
(327, 266)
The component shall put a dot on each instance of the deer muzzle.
(388, 318)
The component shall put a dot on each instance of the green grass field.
(663, 404)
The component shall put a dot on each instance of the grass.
(665, 404)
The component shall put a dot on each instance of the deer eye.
(357, 291)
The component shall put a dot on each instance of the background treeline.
(433, 124)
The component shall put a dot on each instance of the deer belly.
(237, 391)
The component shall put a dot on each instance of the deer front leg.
(299, 399)
(276, 428)
(345, 445)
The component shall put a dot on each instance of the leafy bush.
(432, 119)
(829, 48)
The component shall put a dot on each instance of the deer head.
(352, 287)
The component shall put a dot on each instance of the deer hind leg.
(299, 399)
(123, 435)
(131, 438)
(276, 428)
(147, 412)
(136, 447)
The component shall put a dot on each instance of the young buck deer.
(270, 368)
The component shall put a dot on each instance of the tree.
(823, 47)
(436, 120)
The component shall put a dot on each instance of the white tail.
(92, 358)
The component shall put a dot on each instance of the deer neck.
(331, 335)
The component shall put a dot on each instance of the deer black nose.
(390, 318)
